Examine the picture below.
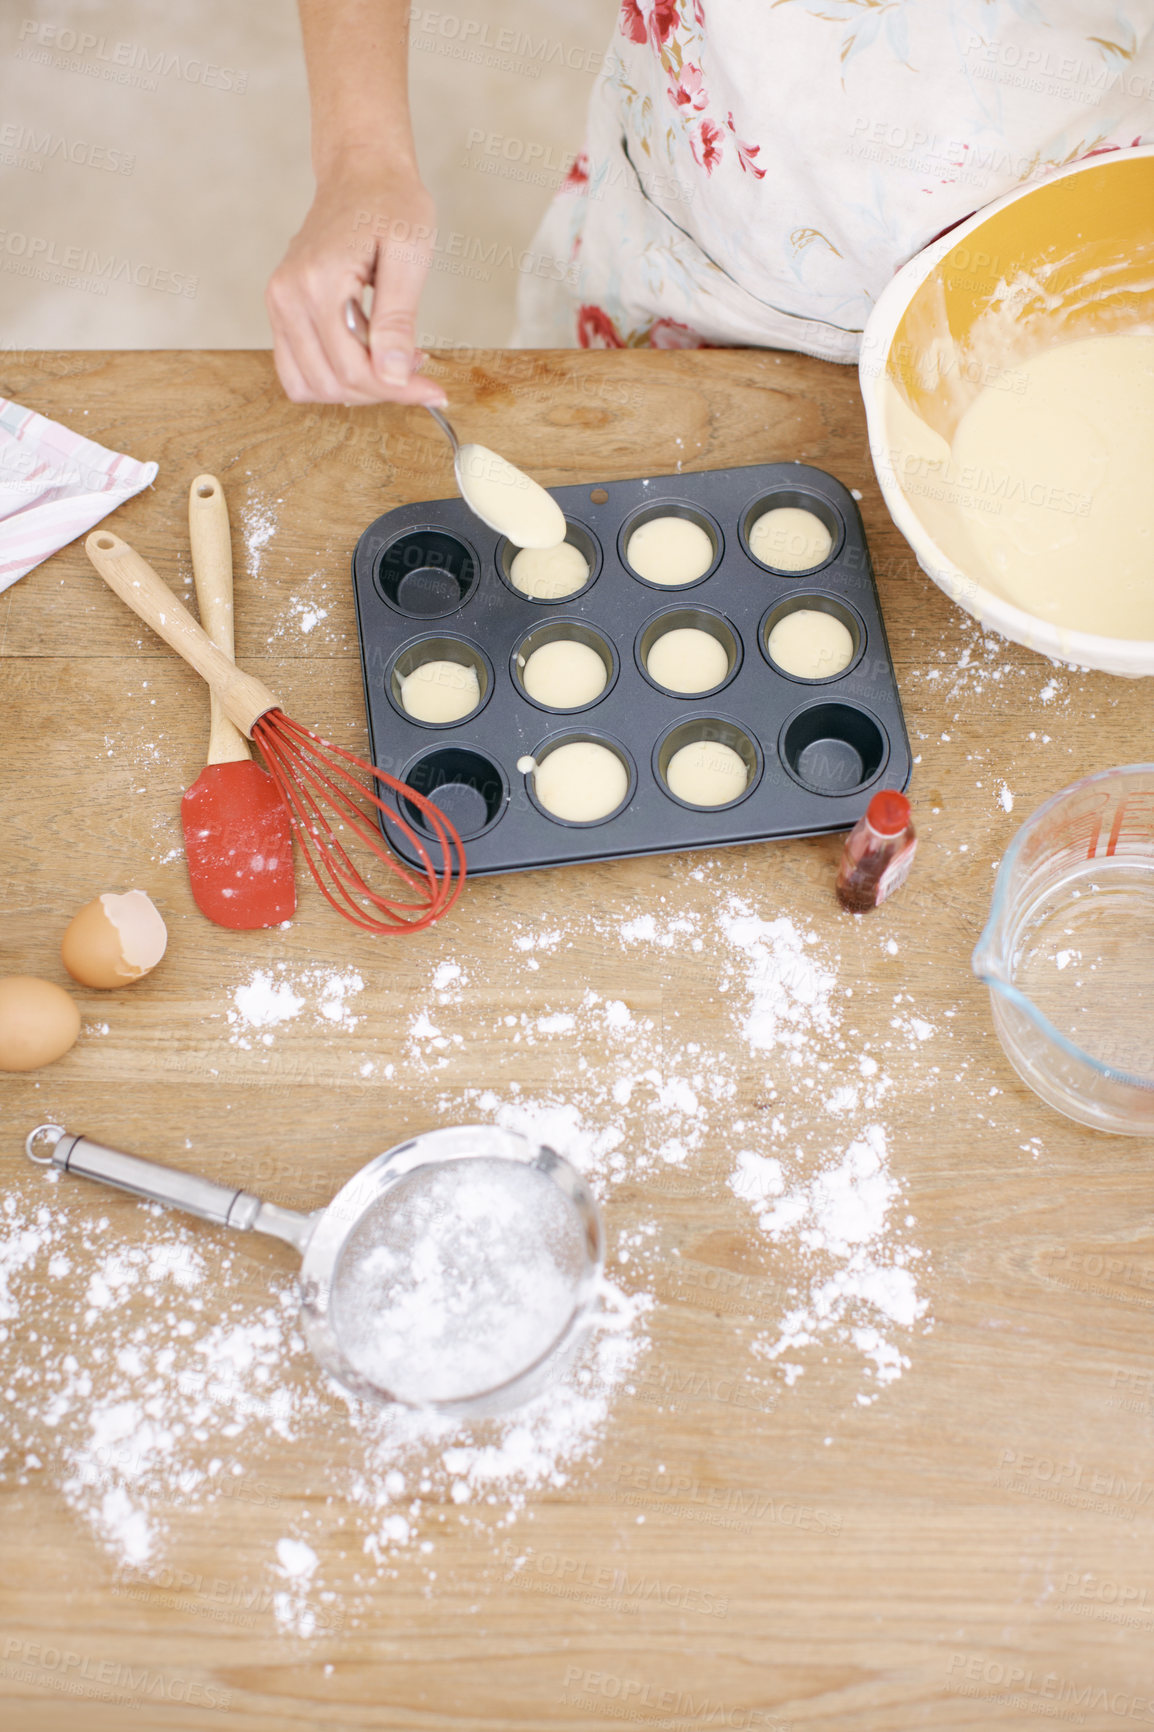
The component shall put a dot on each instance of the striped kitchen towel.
(54, 485)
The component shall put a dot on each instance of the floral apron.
(756, 170)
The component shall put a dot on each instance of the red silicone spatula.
(237, 834)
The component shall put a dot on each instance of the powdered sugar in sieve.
(459, 1278)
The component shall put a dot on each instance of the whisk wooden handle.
(243, 698)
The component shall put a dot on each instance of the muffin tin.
(432, 583)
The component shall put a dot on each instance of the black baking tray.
(431, 582)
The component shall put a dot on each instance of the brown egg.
(114, 940)
(38, 1022)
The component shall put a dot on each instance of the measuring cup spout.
(992, 956)
(52, 1145)
(988, 962)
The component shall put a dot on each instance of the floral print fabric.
(756, 170)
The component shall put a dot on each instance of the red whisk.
(315, 777)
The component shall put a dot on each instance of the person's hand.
(363, 228)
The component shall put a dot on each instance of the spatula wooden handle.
(243, 698)
(211, 542)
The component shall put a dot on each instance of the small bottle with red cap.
(878, 853)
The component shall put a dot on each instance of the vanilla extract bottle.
(878, 853)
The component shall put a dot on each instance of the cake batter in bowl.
(1008, 379)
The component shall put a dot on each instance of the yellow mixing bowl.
(1067, 257)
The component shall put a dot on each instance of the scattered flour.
(262, 1001)
(986, 660)
(537, 940)
(171, 1396)
(183, 1382)
(297, 1565)
(258, 525)
(296, 1558)
(790, 988)
(660, 1105)
(840, 1216)
(306, 614)
(276, 995)
(757, 1177)
(645, 929)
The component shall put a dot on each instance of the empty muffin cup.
(438, 681)
(688, 651)
(426, 573)
(707, 762)
(833, 748)
(463, 784)
(812, 638)
(564, 665)
(670, 545)
(552, 574)
(790, 531)
(580, 778)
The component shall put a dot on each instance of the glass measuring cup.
(365, 1256)
(1068, 951)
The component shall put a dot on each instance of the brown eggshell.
(91, 949)
(39, 1023)
(114, 940)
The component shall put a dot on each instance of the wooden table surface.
(968, 1545)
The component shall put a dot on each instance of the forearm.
(368, 191)
(356, 52)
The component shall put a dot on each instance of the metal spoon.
(358, 326)
(532, 520)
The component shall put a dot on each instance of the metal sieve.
(503, 1194)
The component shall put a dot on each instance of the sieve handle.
(224, 1204)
